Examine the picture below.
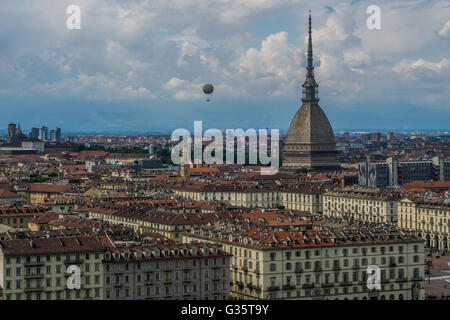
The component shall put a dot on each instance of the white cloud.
(423, 70)
(445, 30)
(277, 63)
(146, 49)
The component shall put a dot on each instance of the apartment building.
(303, 198)
(325, 261)
(428, 218)
(18, 217)
(36, 268)
(166, 270)
(38, 193)
(139, 218)
(235, 195)
(362, 204)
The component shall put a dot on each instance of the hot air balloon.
(208, 89)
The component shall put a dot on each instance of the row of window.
(49, 258)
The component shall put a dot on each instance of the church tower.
(185, 168)
(310, 140)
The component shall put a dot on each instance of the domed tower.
(310, 141)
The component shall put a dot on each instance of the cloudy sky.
(140, 65)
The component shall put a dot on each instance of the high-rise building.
(389, 136)
(375, 136)
(310, 141)
(43, 133)
(34, 133)
(55, 135)
(346, 136)
(58, 134)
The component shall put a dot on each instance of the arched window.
(400, 297)
(391, 297)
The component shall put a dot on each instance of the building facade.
(362, 204)
(167, 271)
(37, 269)
(429, 219)
(322, 269)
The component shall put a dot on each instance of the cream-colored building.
(141, 220)
(303, 198)
(166, 271)
(36, 269)
(362, 204)
(241, 197)
(296, 265)
(429, 219)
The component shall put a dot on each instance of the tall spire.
(310, 92)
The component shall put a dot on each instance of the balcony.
(336, 268)
(34, 289)
(317, 269)
(401, 280)
(327, 285)
(308, 286)
(288, 287)
(251, 286)
(298, 270)
(417, 279)
(34, 276)
(73, 261)
(392, 264)
(33, 263)
(345, 284)
(355, 267)
(273, 288)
